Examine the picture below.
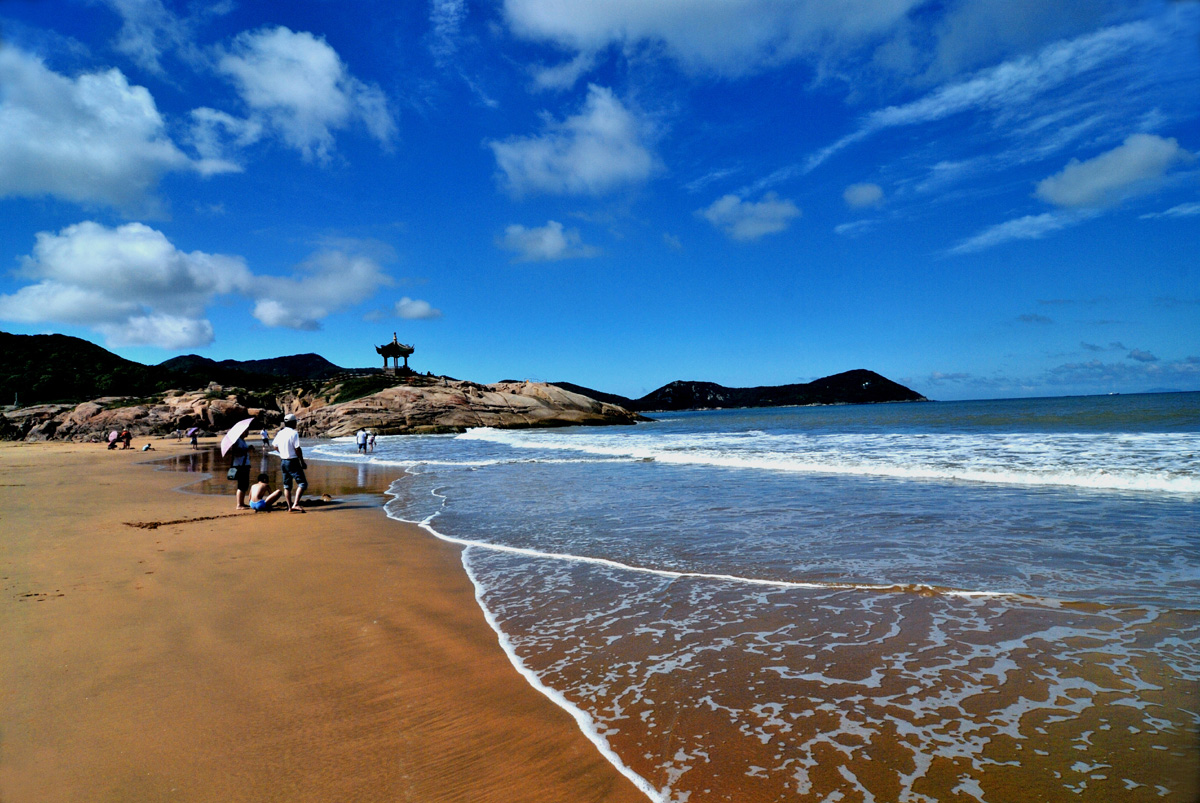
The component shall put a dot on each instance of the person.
(148, 448)
(240, 462)
(125, 438)
(195, 437)
(266, 439)
(261, 495)
(371, 442)
(178, 435)
(361, 437)
(287, 443)
(113, 443)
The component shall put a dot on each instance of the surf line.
(587, 725)
(427, 525)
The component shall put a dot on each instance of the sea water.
(978, 601)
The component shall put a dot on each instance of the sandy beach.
(156, 645)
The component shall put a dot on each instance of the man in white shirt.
(287, 443)
(361, 437)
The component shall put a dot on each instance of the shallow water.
(949, 601)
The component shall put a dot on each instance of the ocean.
(944, 601)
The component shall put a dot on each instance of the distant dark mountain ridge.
(59, 368)
(859, 386)
(297, 366)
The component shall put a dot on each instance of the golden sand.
(332, 656)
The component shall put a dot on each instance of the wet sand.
(208, 654)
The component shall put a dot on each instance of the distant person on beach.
(361, 437)
(178, 435)
(371, 441)
(125, 438)
(261, 495)
(266, 439)
(287, 443)
(195, 441)
(240, 452)
(148, 448)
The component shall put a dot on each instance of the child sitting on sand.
(261, 495)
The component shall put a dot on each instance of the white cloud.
(296, 85)
(1029, 227)
(445, 21)
(328, 282)
(212, 129)
(731, 37)
(90, 139)
(1012, 85)
(591, 153)
(414, 309)
(1135, 167)
(129, 283)
(855, 228)
(975, 33)
(547, 243)
(857, 196)
(1179, 210)
(135, 287)
(746, 220)
(565, 75)
(172, 332)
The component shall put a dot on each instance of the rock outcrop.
(427, 406)
(455, 406)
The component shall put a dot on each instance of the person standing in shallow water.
(241, 463)
(287, 443)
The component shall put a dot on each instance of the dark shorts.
(243, 478)
(293, 474)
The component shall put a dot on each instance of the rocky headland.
(420, 405)
(54, 374)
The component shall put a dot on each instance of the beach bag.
(232, 474)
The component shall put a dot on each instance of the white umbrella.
(235, 432)
(112, 436)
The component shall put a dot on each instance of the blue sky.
(983, 198)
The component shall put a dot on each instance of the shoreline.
(237, 656)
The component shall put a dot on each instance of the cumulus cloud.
(298, 87)
(857, 196)
(90, 139)
(547, 243)
(129, 283)
(328, 282)
(729, 37)
(748, 220)
(592, 153)
(1135, 167)
(414, 309)
(135, 287)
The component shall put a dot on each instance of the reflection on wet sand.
(363, 484)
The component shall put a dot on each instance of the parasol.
(235, 432)
(112, 436)
(193, 430)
